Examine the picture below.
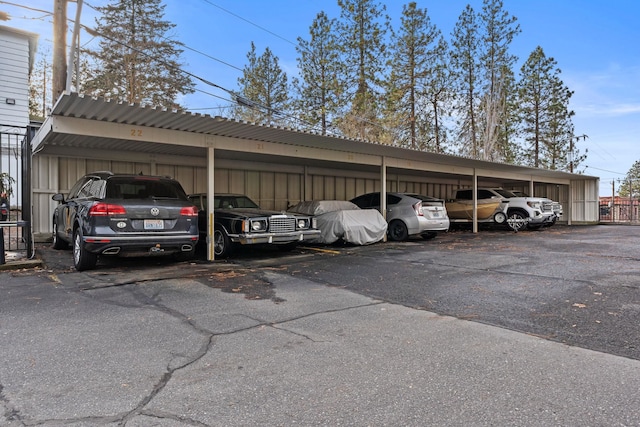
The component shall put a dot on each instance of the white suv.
(533, 212)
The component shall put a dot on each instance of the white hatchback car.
(409, 214)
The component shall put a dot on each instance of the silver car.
(409, 214)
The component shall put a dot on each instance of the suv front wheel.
(82, 259)
(58, 243)
(517, 220)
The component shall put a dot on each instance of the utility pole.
(613, 201)
(571, 147)
(59, 67)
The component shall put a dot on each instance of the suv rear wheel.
(82, 259)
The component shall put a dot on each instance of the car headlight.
(534, 205)
(258, 225)
(303, 223)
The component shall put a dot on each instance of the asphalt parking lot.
(495, 328)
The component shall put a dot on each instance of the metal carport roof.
(81, 126)
(76, 125)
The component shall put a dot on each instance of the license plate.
(435, 214)
(154, 224)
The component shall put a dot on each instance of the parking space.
(575, 285)
(495, 328)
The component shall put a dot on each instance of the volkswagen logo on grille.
(155, 211)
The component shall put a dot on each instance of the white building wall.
(14, 78)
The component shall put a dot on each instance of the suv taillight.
(189, 211)
(106, 209)
(418, 208)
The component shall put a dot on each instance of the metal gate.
(621, 210)
(15, 172)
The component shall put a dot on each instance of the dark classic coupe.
(238, 220)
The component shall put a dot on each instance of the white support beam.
(299, 152)
(393, 162)
(210, 202)
(100, 129)
(307, 185)
(129, 156)
(383, 191)
(475, 201)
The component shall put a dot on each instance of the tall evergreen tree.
(507, 148)
(319, 92)
(535, 90)
(416, 87)
(135, 61)
(466, 67)
(630, 187)
(264, 89)
(362, 30)
(548, 131)
(496, 63)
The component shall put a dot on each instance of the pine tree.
(417, 85)
(319, 92)
(362, 31)
(548, 130)
(467, 84)
(496, 63)
(630, 187)
(507, 148)
(264, 90)
(534, 90)
(136, 62)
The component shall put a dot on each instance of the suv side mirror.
(58, 197)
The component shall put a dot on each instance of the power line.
(250, 22)
(26, 7)
(604, 170)
(236, 98)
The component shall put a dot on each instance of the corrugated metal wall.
(584, 202)
(275, 186)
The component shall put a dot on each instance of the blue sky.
(596, 44)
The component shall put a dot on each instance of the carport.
(208, 153)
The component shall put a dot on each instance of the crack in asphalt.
(274, 325)
(10, 413)
(154, 302)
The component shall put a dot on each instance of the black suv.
(125, 215)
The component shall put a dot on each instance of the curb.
(17, 265)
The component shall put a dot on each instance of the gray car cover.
(344, 220)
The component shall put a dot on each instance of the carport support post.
(383, 191)
(307, 186)
(210, 202)
(475, 200)
(2, 259)
(531, 188)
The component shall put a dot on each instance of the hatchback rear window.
(118, 188)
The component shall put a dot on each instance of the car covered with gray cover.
(342, 220)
